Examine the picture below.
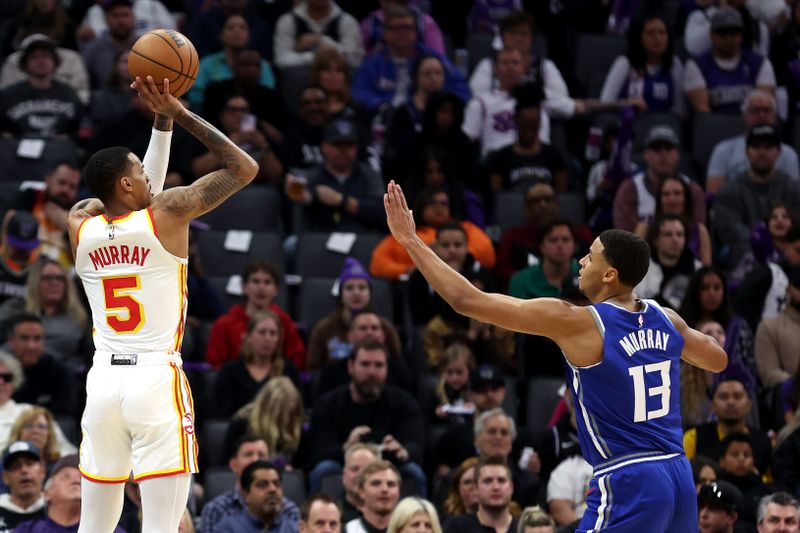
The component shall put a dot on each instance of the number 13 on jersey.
(641, 392)
(116, 291)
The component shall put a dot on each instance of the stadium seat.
(542, 399)
(292, 81)
(314, 260)
(332, 485)
(294, 486)
(218, 480)
(213, 439)
(217, 261)
(257, 208)
(594, 55)
(572, 206)
(509, 209)
(316, 301)
(8, 193)
(69, 426)
(426, 394)
(707, 130)
(479, 45)
(17, 168)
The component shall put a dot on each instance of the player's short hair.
(248, 474)
(244, 439)
(369, 344)
(262, 266)
(516, 19)
(450, 226)
(784, 499)
(491, 461)
(628, 253)
(377, 466)
(103, 170)
(21, 318)
(305, 509)
(736, 436)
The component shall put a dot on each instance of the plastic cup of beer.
(295, 186)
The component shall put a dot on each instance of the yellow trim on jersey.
(160, 473)
(191, 410)
(178, 404)
(80, 230)
(183, 291)
(118, 220)
(102, 479)
(150, 221)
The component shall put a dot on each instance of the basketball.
(165, 54)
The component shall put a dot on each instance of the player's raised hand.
(398, 215)
(157, 101)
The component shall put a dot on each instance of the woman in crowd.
(431, 210)
(51, 295)
(261, 359)
(36, 425)
(276, 415)
(414, 515)
(650, 74)
(331, 72)
(463, 495)
(674, 197)
(114, 98)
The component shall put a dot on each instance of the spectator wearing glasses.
(729, 158)
(719, 504)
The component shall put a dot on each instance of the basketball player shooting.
(131, 245)
(622, 358)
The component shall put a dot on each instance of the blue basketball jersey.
(628, 405)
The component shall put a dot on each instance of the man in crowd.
(778, 513)
(311, 26)
(718, 81)
(366, 410)
(50, 206)
(379, 489)
(778, 337)
(320, 514)
(493, 477)
(100, 53)
(745, 201)
(265, 507)
(729, 158)
(356, 457)
(23, 472)
(731, 405)
(48, 381)
(635, 199)
(719, 504)
(342, 194)
(248, 450)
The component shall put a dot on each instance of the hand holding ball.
(165, 54)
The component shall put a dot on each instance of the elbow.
(721, 361)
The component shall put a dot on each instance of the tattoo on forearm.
(204, 194)
(217, 143)
(162, 122)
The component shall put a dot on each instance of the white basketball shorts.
(139, 417)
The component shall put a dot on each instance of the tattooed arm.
(238, 168)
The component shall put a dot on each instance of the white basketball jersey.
(136, 289)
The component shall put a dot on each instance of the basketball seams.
(162, 65)
(171, 45)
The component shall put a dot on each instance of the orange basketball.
(165, 54)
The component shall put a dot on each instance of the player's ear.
(126, 183)
(610, 275)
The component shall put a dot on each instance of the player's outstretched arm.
(699, 349)
(238, 168)
(541, 316)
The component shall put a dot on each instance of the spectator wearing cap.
(367, 410)
(778, 338)
(20, 239)
(70, 69)
(40, 106)
(697, 32)
(23, 472)
(100, 54)
(745, 201)
(729, 157)
(342, 194)
(635, 200)
(328, 340)
(719, 504)
(719, 80)
(62, 492)
(47, 380)
(384, 77)
(313, 25)
(260, 285)
(431, 212)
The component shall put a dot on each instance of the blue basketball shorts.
(656, 496)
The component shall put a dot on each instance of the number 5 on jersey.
(641, 392)
(116, 291)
